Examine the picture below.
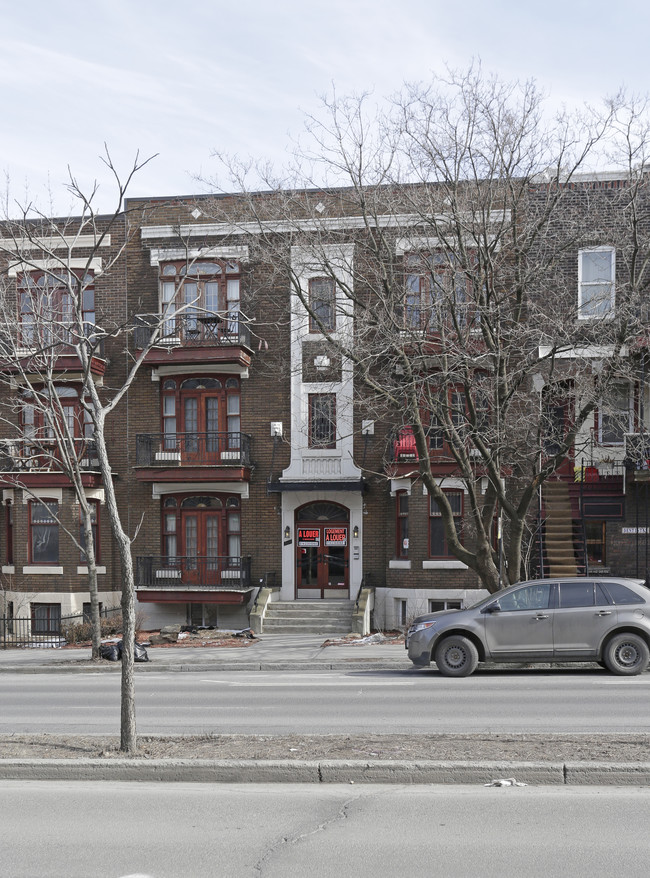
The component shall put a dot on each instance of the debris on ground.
(358, 640)
(507, 782)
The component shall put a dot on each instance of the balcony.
(34, 352)
(39, 461)
(192, 338)
(159, 456)
(222, 579)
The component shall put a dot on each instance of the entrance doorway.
(322, 551)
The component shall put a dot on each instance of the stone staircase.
(559, 530)
(308, 617)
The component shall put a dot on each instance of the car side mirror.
(493, 608)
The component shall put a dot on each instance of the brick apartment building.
(240, 455)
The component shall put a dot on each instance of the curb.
(326, 771)
(151, 667)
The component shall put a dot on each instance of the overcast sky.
(184, 78)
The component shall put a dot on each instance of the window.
(402, 524)
(46, 618)
(576, 594)
(86, 611)
(531, 597)
(94, 519)
(44, 532)
(436, 606)
(170, 541)
(207, 297)
(437, 292)
(615, 416)
(201, 416)
(621, 594)
(45, 424)
(596, 275)
(9, 534)
(596, 543)
(322, 304)
(47, 306)
(438, 546)
(401, 611)
(322, 420)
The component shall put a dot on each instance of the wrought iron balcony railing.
(193, 571)
(192, 449)
(46, 455)
(193, 330)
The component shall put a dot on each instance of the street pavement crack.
(289, 841)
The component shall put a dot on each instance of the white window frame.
(583, 284)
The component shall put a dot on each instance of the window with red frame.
(322, 304)
(322, 420)
(94, 519)
(402, 524)
(47, 306)
(206, 294)
(438, 546)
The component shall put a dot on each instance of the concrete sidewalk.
(272, 652)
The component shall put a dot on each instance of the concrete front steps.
(308, 617)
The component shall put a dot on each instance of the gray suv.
(546, 620)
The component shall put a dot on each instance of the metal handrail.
(192, 449)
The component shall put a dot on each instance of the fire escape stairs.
(559, 530)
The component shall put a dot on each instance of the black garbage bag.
(139, 652)
(110, 651)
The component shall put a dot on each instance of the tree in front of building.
(491, 317)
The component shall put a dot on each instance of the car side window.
(602, 598)
(576, 594)
(531, 597)
(621, 594)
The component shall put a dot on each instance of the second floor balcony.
(42, 460)
(224, 579)
(193, 452)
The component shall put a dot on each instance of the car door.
(583, 617)
(519, 624)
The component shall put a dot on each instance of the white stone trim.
(84, 570)
(159, 489)
(42, 494)
(8, 568)
(52, 264)
(399, 564)
(55, 242)
(43, 570)
(400, 485)
(444, 565)
(171, 254)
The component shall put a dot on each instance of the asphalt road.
(322, 702)
(162, 830)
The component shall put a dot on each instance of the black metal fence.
(41, 630)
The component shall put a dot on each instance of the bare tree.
(467, 207)
(45, 322)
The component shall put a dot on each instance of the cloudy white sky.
(184, 78)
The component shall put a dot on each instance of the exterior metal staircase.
(561, 528)
(308, 617)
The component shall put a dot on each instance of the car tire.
(626, 655)
(456, 656)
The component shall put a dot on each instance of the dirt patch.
(512, 748)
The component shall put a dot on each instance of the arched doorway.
(322, 549)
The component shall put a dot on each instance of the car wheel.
(627, 655)
(456, 657)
